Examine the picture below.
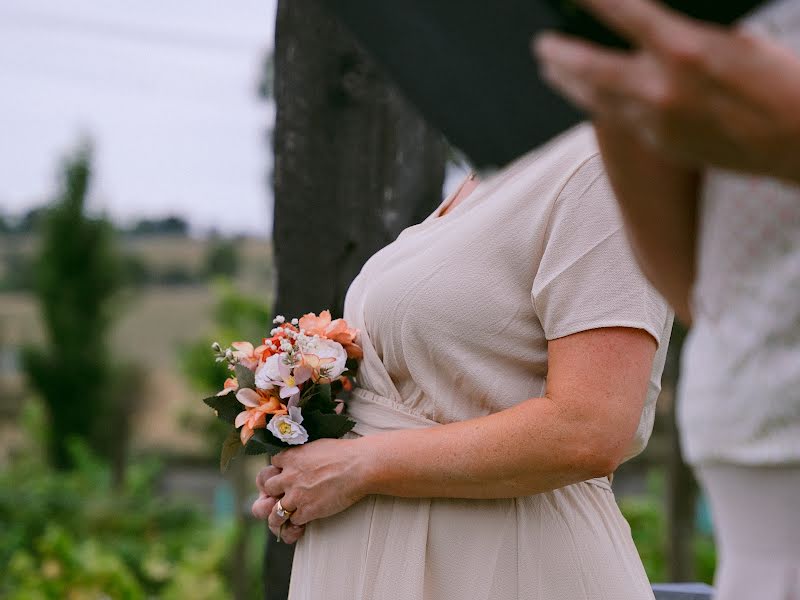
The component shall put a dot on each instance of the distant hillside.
(155, 322)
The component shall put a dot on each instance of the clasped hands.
(312, 481)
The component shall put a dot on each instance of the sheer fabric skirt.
(569, 544)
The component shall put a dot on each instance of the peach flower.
(230, 385)
(257, 406)
(248, 356)
(336, 330)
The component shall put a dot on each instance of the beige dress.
(455, 317)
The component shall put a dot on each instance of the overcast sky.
(167, 91)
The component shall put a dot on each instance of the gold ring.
(282, 512)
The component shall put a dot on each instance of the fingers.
(281, 527)
(265, 475)
(601, 67)
(596, 79)
(290, 532)
(275, 520)
(262, 507)
(277, 486)
(271, 482)
(279, 460)
(644, 22)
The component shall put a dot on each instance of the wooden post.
(354, 166)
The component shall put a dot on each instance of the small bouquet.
(286, 391)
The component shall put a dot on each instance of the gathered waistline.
(374, 414)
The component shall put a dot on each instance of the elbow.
(603, 465)
(600, 457)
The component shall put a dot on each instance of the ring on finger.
(282, 512)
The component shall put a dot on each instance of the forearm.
(658, 202)
(531, 448)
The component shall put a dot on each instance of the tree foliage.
(222, 259)
(76, 277)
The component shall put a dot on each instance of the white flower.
(295, 321)
(287, 428)
(324, 348)
(269, 372)
(279, 319)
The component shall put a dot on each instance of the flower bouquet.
(287, 390)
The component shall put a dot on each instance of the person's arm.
(658, 201)
(697, 92)
(582, 427)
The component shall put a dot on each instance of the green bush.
(647, 518)
(645, 515)
(73, 535)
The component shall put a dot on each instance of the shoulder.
(564, 155)
(536, 181)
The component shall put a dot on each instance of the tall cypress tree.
(77, 276)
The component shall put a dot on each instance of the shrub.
(647, 518)
(71, 534)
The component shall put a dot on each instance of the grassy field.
(153, 324)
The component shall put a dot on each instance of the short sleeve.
(587, 277)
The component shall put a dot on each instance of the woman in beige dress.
(512, 359)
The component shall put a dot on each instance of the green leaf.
(319, 399)
(320, 425)
(227, 406)
(231, 448)
(263, 442)
(245, 377)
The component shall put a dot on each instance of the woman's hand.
(312, 481)
(697, 92)
(263, 509)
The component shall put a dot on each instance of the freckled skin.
(596, 387)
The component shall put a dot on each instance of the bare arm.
(658, 201)
(581, 428)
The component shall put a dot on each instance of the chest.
(455, 285)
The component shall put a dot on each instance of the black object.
(578, 22)
(467, 64)
(682, 591)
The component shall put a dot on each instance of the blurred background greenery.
(109, 484)
(109, 476)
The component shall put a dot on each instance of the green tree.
(77, 276)
(222, 259)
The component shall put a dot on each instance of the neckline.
(437, 215)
